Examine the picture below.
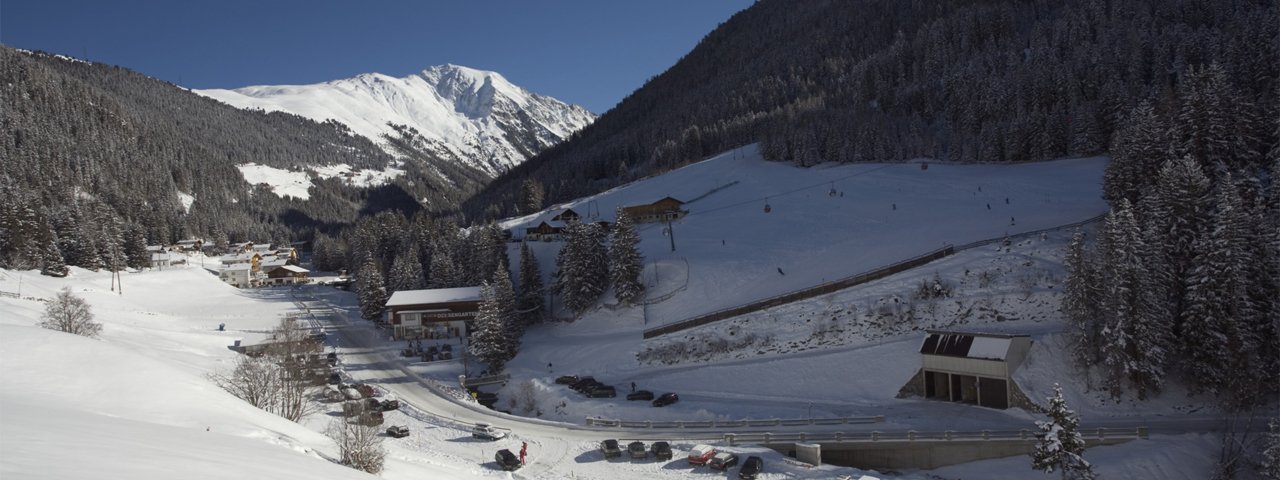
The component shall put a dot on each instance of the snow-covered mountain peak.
(471, 116)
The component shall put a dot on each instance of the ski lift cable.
(788, 192)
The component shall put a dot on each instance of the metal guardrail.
(771, 422)
(9, 294)
(466, 381)
(843, 283)
(935, 436)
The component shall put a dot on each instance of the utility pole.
(671, 233)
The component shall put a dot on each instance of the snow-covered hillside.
(471, 116)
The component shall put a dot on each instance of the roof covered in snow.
(436, 295)
(989, 346)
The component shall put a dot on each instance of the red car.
(701, 454)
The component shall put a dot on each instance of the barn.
(972, 368)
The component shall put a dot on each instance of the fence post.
(1142, 432)
(986, 434)
(911, 435)
(1102, 433)
(875, 435)
(839, 436)
(1022, 434)
(728, 437)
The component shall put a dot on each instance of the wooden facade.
(662, 210)
(432, 314)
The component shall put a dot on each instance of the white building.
(973, 368)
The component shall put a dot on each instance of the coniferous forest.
(877, 80)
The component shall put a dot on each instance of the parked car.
(661, 450)
(666, 399)
(602, 391)
(610, 448)
(567, 379)
(335, 378)
(636, 450)
(373, 404)
(333, 358)
(701, 454)
(640, 395)
(582, 383)
(389, 405)
(751, 468)
(487, 432)
(506, 460)
(397, 431)
(723, 460)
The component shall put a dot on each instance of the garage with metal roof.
(972, 368)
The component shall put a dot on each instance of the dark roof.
(989, 346)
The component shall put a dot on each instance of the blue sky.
(589, 52)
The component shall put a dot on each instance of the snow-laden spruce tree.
(1061, 447)
(625, 262)
(71, 314)
(583, 267)
(1137, 148)
(1218, 344)
(51, 262)
(1081, 299)
(1133, 342)
(406, 271)
(492, 341)
(505, 296)
(443, 272)
(371, 290)
(531, 300)
(1176, 216)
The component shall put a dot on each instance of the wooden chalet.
(663, 210)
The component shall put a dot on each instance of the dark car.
(666, 399)
(506, 460)
(640, 395)
(636, 450)
(397, 431)
(335, 378)
(389, 405)
(603, 391)
(567, 379)
(583, 383)
(333, 358)
(722, 461)
(610, 448)
(750, 468)
(661, 450)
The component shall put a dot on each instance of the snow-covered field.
(137, 403)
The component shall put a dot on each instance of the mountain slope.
(885, 80)
(471, 116)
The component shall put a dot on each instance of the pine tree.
(531, 300)
(443, 272)
(135, 247)
(1119, 248)
(530, 196)
(371, 291)
(1081, 298)
(625, 262)
(1139, 148)
(505, 296)
(406, 271)
(492, 341)
(1061, 447)
(51, 263)
(1218, 350)
(583, 270)
(1176, 216)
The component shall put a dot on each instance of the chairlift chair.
(767, 208)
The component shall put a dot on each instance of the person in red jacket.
(524, 449)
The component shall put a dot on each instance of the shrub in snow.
(359, 445)
(69, 313)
